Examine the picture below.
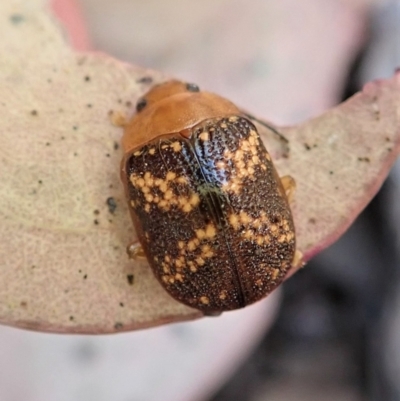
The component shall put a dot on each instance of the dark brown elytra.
(209, 209)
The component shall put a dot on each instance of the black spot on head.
(130, 278)
(192, 87)
(141, 104)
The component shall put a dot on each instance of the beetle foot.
(135, 251)
(289, 185)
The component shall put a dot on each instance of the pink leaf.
(62, 254)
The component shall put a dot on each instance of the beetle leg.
(289, 185)
(135, 251)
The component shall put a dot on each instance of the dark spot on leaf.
(107, 155)
(145, 80)
(89, 105)
(118, 326)
(16, 18)
(130, 278)
(364, 159)
(87, 78)
(96, 212)
(331, 172)
(85, 277)
(47, 143)
(75, 154)
(119, 101)
(34, 112)
(80, 270)
(128, 103)
(71, 318)
(24, 304)
(96, 222)
(116, 146)
(312, 220)
(33, 266)
(62, 138)
(75, 127)
(40, 182)
(121, 304)
(307, 146)
(112, 205)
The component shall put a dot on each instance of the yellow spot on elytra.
(147, 208)
(233, 119)
(171, 280)
(178, 263)
(145, 190)
(182, 180)
(176, 146)
(137, 153)
(200, 234)
(165, 279)
(163, 186)
(168, 194)
(223, 125)
(204, 136)
(234, 221)
(149, 198)
(210, 231)
(191, 246)
(170, 176)
(179, 277)
(275, 274)
(167, 258)
(244, 217)
(221, 165)
(186, 208)
(140, 182)
(152, 151)
(204, 300)
(163, 204)
(192, 267)
(200, 261)
(259, 283)
(132, 203)
(248, 234)
(181, 244)
(223, 294)
(282, 238)
(194, 199)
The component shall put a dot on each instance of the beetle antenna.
(270, 127)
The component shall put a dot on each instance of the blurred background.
(332, 332)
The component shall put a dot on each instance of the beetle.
(211, 213)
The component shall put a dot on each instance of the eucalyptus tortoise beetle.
(211, 214)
